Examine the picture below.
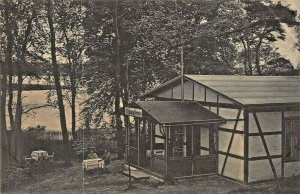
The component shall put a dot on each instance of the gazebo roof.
(178, 112)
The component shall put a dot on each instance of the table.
(39, 155)
(93, 164)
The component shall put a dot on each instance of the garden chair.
(50, 157)
(27, 161)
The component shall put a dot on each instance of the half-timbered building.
(241, 127)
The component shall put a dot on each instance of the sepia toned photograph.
(150, 96)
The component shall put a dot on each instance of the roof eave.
(194, 122)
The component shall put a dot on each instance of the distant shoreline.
(29, 87)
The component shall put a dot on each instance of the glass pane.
(292, 140)
(177, 141)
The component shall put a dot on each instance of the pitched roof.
(246, 90)
(171, 112)
(253, 89)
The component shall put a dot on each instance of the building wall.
(192, 92)
(269, 122)
(234, 167)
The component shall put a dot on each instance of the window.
(159, 140)
(292, 139)
(133, 133)
(177, 137)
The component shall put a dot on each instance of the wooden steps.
(137, 174)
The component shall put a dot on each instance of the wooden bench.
(91, 164)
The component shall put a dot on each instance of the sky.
(286, 47)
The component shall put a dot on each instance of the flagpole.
(182, 73)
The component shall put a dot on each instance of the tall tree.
(7, 7)
(21, 61)
(71, 15)
(268, 29)
(56, 75)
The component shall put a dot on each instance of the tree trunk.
(245, 57)
(125, 100)
(10, 99)
(249, 58)
(56, 75)
(72, 75)
(20, 70)
(18, 117)
(117, 85)
(257, 56)
(7, 63)
(73, 105)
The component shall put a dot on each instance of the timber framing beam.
(231, 155)
(265, 144)
(266, 133)
(282, 143)
(230, 130)
(264, 157)
(246, 146)
(230, 142)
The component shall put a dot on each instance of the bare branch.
(38, 107)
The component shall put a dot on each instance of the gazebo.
(173, 139)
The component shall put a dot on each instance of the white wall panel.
(177, 92)
(228, 113)
(188, 90)
(269, 121)
(256, 147)
(224, 100)
(211, 96)
(234, 167)
(165, 93)
(237, 146)
(261, 170)
(199, 93)
(230, 125)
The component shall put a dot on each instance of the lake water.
(47, 116)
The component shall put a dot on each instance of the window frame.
(287, 133)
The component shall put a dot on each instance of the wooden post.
(182, 74)
(211, 140)
(151, 142)
(246, 146)
(217, 147)
(193, 91)
(138, 142)
(218, 104)
(184, 141)
(166, 151)
(282, 145)
(126, 141)
(192, 128)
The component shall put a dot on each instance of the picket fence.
(52, 136)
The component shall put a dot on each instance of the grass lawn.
(60, 179)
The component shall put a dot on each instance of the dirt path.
(72, 180)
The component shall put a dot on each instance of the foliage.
(37, 128)
(13, 176)
(113, 51)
